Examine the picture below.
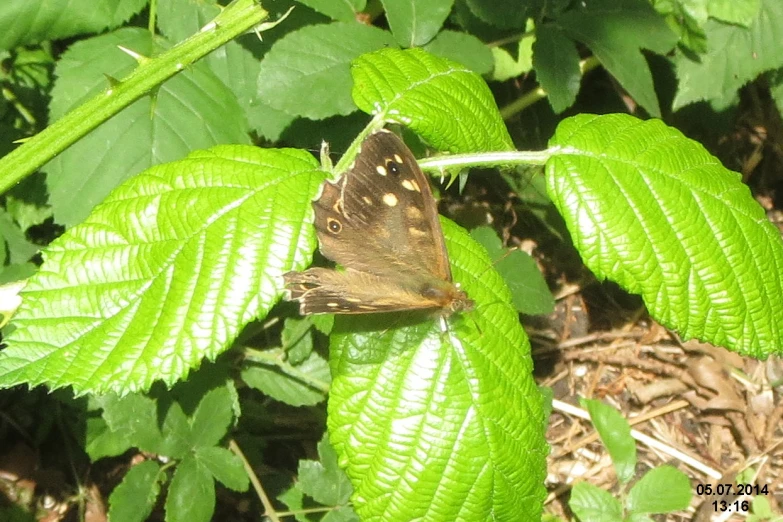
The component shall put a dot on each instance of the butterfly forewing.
(380, 222)
(380, 216)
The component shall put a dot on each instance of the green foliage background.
(143, 123)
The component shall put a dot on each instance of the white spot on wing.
(390, 199)
(411, 184)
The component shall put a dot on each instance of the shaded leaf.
(740, 12)
(324, 480)
(135, 415)
(508, 65)
(24, 22)
(307, 72)
(191, 495)
(212, 418)
(462, 48)
(501, 13)
(133, 498)
(297, 339)
(556, 61)
(344, 10)
(726, 67)
(294, 386)
(224, 466)
(616, 31)
(530, 293)
(101, 441)
(193, 110)
(416, 23)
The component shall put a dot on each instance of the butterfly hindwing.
(322, 290)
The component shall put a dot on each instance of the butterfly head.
(461, 303)
(447, 297)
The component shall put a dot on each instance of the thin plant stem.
(269, 510)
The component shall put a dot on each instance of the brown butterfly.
(380, 222)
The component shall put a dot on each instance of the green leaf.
(133, 499)
(775, 80)
(15, 514)
(191, 111)
(556, 61)
(655, 212)
(30, 69)
(179, 19)
(736, 56)
(212, 418)
(191, 496)
(440, 426)
(529, 290)
(159, 425)
(687, 20)
(747, 475)
(341, 514)
(27, 202)
(462, 48)
(507, 66)
(616, 31)
(307, 72)
(637, 517)
(660, 490)
(268, 121)
(135, 415)
(324, 480)
(344, 10)
(445, 103)
(23, 22)
(297, 339)
(197, 247)
(18, 247)
(294, 499)
(12, 274)
(101, 441)
(323, 323)
(740, 12)
(175, 431)
(592, 504)
(615, 433)
(500, 13)
(297, 385)
(416, 23)
(237, 63)
(762, 511)
(224, 466)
